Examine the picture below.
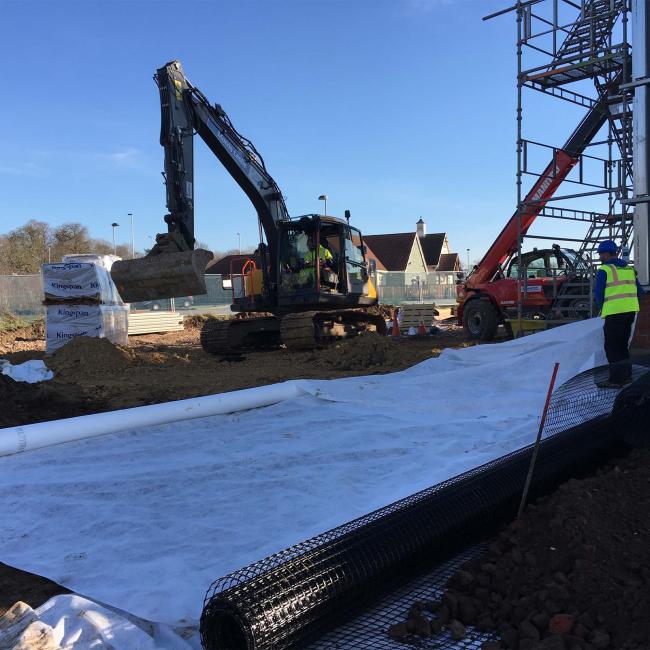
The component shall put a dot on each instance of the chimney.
(421, 228)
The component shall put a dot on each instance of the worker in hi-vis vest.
(617, 294)
(307, 275)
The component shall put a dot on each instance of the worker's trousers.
(618, 330)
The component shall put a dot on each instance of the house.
(412, 252)
(227, 265)
(414, 265)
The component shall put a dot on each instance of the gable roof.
(392, 249)
(449, 262)
(222, 266)
(432, 246)
(371, 255)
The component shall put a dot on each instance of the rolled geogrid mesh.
(292, 597)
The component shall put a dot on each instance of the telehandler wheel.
(480, 320)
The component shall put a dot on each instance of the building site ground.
(93, 375)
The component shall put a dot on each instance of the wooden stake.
(533, 460)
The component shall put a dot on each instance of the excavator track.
(297, 331)
(306, 330)
(231, 337)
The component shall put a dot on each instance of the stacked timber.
(81, 300)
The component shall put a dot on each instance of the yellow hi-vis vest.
(620, 291)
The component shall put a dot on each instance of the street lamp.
(468, 260)
(323, 197)
(129, 214)
(239, 242)
(113, 226)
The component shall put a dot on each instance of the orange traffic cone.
(422, 330)
(395, 329)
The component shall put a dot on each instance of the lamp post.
(323, 197)
(113, 226)
(468, 260)
(239, 242)
(129, 214)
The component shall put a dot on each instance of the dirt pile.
(572, 574)
(87, 356)
(26, 403)
(361, 352)
(16, 335)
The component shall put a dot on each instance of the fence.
(23, 294)
(395, 287)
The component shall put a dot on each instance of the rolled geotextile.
(286, 601)
(14, 440)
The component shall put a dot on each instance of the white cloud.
(125, 158)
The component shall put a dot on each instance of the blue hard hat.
(608, 246)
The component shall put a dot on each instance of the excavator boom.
(173, 267)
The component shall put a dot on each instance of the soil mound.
(17, 335)
(87, 356)
(43, 401)
(573, 573)
(361, 352)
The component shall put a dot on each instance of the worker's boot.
(620, 374)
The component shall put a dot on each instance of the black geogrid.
(293, 597)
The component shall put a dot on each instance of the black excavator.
(307, 284)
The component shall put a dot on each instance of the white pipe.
(14, 440)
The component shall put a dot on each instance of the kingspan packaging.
(81, 300)
(67, 321)
(79, 281)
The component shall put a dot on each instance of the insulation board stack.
(81, 300)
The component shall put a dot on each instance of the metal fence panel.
(21, 295)
(396, 287)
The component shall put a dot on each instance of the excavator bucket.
(162, 275)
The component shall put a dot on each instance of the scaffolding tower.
(577, 52)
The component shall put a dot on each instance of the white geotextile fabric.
(71, 622)
(28, 371)
(145, 520)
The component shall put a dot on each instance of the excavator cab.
(322, 260)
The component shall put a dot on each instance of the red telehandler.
(489, 295)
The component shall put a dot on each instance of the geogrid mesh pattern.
(369, 629)
(294, 596)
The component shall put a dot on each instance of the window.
(357, 271)
(293, 249)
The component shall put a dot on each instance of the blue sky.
(395, 109)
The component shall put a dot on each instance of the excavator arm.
(173, 267)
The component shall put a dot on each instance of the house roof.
(432, 246)
(449, 262)
(392, 249)
(370, 254)
(222, 266)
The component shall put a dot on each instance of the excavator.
(489, 295)
(307, 283)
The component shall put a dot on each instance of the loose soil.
(572, 574)
(96, 375)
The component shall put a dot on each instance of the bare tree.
(24, 249)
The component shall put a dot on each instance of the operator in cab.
(307, 275)
(616, 293)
